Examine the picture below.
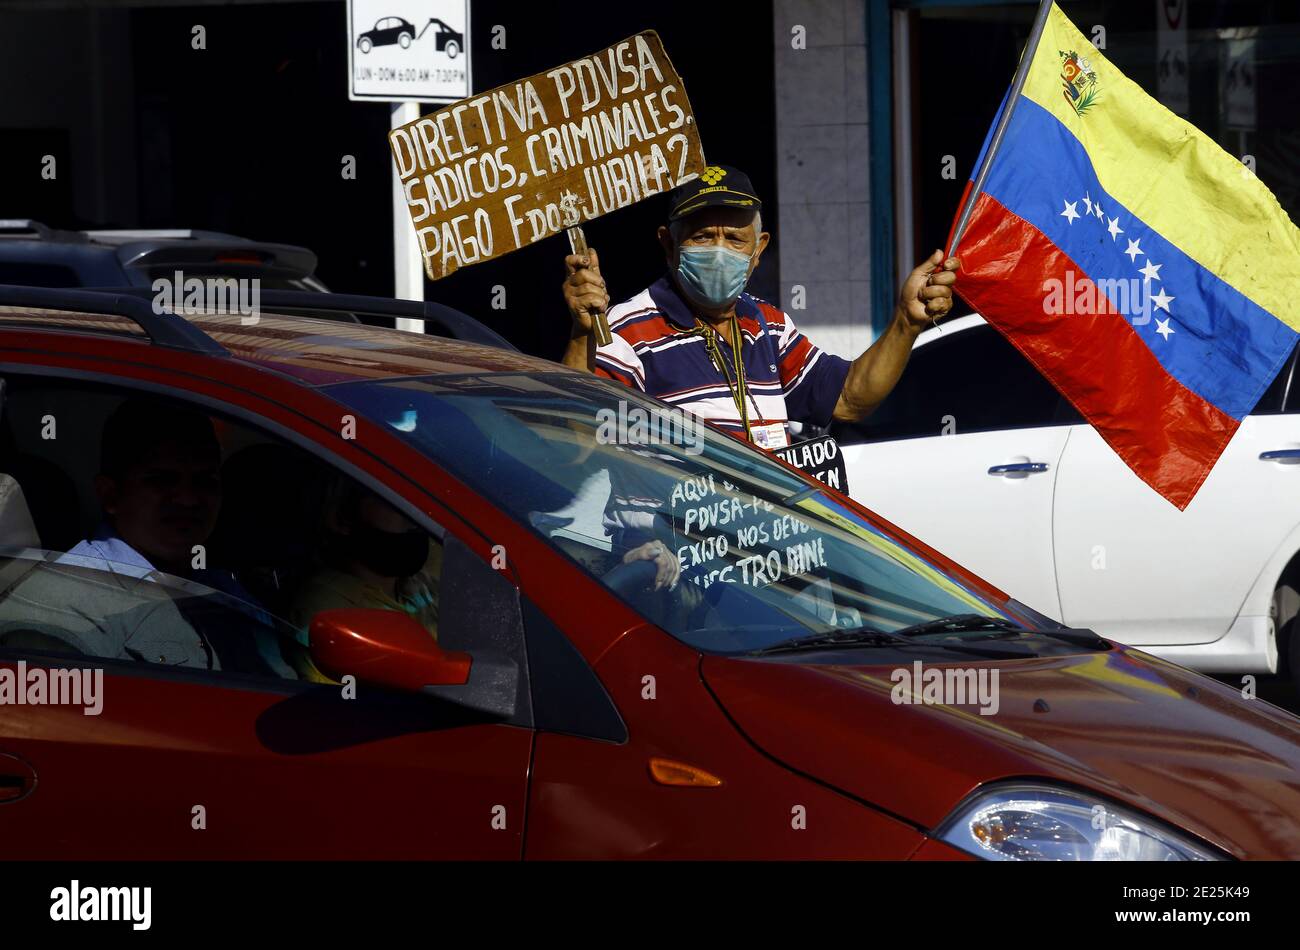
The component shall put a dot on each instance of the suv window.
(969, 381)
(36, 274)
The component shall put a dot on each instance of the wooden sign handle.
(578, 242)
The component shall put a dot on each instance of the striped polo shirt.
(654, 350)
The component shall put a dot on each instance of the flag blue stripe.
(1223, 346)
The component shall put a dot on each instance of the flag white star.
(1114, 229)
(1162, 299)
(1163, 327)
(1071, 211)
(1096, 209)
(1133, 251)
(1151, 271)
(1087, 203)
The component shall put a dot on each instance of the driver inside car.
(159, 489)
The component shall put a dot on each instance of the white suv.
(978, 454)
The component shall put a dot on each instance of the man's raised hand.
(584, 289)
(926, 295)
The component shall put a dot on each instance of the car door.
(964, 453)
(1135, 568)
(195, 762)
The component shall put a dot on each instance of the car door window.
(275, 539)
(1282, 395)
(969, 381)
(52, 602)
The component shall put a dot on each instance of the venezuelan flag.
(1141, 268)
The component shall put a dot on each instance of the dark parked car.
(34, 254)
(389, 30)
(128, 262)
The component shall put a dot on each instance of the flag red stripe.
(1167, 434)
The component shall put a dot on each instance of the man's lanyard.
(739, 389)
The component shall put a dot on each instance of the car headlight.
(1024, 822)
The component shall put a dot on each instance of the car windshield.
(605, 475)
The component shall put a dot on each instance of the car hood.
(1147, 733)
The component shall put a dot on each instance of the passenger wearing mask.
(372, 557)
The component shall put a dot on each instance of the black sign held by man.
(821, 458)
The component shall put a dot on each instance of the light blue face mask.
(712, 276)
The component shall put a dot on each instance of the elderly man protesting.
(697, 341)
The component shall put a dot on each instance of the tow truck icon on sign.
(393, 29)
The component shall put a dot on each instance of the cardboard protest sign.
(505, 168)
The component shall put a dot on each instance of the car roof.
(321, 352)
(440, 320)
(314, 352)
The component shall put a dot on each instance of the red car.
(635, 637)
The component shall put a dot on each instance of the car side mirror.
(383, 647)
(389, 648)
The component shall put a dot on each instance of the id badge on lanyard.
(769, 435)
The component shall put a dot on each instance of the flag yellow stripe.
(1173, 176)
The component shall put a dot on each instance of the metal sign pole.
(408, 268)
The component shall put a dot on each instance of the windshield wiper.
(864, 637)
(958, 623)
(905, 636)
(963, 622)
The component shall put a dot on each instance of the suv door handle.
(1019, 468)
(1281, 455)
(17, 778)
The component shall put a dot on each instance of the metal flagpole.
(1017, 85)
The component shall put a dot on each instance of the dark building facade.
(858, 121)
